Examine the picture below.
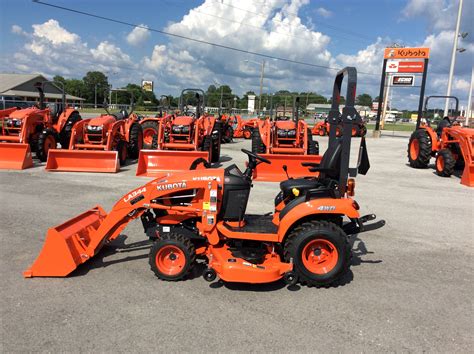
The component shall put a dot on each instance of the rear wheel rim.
(170, 260)
(320, 256)
(247, 134)
(440, 163)
(148, 135)
(414, 149)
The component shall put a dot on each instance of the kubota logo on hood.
(168, 186)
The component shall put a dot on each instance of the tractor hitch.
(359, 225)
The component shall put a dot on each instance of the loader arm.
(77, 240)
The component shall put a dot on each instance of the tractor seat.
(123, 114)
(302, 184)
(330, 166)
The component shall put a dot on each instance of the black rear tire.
(183, 248)
(298, 249)
(258, 147)
(419, 149)
(445, 163)
(122, 150)
(136, 140)
(65, 134)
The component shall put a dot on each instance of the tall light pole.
(453, 58)
(262, 72)
(95, 95)
(469, 99)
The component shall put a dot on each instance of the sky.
(35, 38)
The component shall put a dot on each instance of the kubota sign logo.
(168, 186)
(406, 53)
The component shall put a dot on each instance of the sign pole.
(422, 94)
(376, 133)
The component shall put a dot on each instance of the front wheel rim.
(170, 260)
(320, 256)
(148, 135)
(440, 163)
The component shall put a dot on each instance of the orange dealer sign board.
(406, 53)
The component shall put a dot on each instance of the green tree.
(364, 100)
(95, 83)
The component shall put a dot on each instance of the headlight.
(94, 128)
(180, 129)
(286, 133)
(13, 123)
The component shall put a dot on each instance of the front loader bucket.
(66, 245)
(15, 156)
(153, 163)
(274, 172)
(83, 161)
(467, 177)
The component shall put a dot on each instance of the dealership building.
(19, 90)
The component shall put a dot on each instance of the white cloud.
(138, 35)
(18, 30)
(54, 33)
(324, 12)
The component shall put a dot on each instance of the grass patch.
(408, 127)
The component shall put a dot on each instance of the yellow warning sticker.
(206, 205)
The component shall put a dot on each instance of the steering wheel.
(255, 156)
(190, 114)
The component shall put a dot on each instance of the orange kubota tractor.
(182, 139)
(451, 145)
(243, 128)
(322, 128)
(286, 142)
(34, 129)
(100, 144)
(150, 125)
(202, 214)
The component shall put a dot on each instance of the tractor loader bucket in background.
(152, 163)
(67, 245)
(274, 172)
(83, 161)
(15, 156)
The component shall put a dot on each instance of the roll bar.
(348, 117)
(201, 102)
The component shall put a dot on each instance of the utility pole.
(453, 59)
(95, 96)
(469, 100)
(261, 85)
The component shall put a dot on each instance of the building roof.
(23, 85)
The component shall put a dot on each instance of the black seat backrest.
(331, 161)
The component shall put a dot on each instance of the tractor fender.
(434, 138)
(63, 118)
(315, 209)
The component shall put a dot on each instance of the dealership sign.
(397, 66)
(403, 80)
(406, 53)
(147, 85)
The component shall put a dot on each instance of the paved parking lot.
(410, 288)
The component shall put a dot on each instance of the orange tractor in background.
(100, 144)
(243, 128)
(202, 214)
(321, 128)
(450, 144)
(286, 142)
(183, 140)
(150, 125)
(34, 129)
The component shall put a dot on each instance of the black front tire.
(46, 140)
(313, 232)
(136, 140)
(445, 163)
(122, 150)
(184, 248)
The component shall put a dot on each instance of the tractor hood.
(287, 125)
(104, 120)
(178, 180)
(23, 113)
(183, 120)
